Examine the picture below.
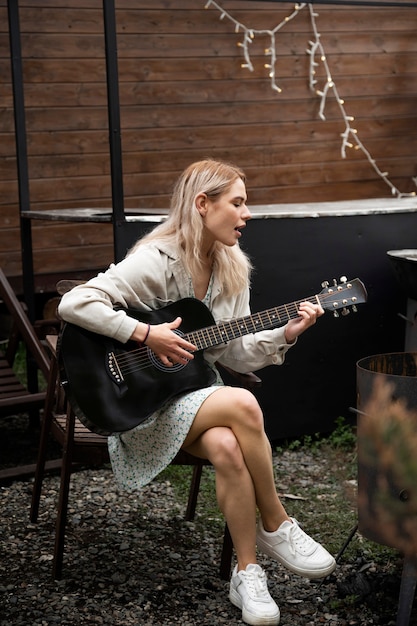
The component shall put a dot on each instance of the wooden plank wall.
(185, 96)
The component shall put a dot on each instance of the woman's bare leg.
(234, 489)
(238, 410)
(243, 462)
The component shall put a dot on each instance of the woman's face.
(226, 216)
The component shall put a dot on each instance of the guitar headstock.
(342, 295)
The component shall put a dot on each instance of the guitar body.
(106, 406)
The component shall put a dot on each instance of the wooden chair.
(80, 446)
(16, 397)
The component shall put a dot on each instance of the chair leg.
(407, 591)
(43, 442)
(61, 519)
(227, 553)
(194, 488)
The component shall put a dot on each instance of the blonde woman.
(195, 253)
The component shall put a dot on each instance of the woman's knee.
(226, 452)
(246, 409)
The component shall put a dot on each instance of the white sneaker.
(292, 547)
(249, 592)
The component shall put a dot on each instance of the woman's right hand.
(166, 344)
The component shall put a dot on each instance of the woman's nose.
(247, 215)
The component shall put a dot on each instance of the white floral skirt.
(138, 455)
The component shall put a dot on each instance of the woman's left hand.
(308, 314)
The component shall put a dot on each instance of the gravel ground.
(131, 559)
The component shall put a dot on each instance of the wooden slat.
(13, 395)
(214, 91)
(82, 436)
(25, 471)
(38, 71)
(207, 115)
(173, 5)
(261, 137)
(20, 402)
(187, 20)
(151, 45)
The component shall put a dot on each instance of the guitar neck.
(265, 320)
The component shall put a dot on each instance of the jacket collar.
(181, 276)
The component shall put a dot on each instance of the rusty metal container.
(387, 449)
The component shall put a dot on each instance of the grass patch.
(20, 366)
(342, 437)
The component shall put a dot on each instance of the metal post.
(109, 15)
(21, 155)
(23, 187)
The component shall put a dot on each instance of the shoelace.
(298, 539)
(256, 585)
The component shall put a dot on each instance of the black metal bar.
(346, 544)
(21, 156)
(407, 591)
(113, 103)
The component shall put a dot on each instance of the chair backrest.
(23, 324)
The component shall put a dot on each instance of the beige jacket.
(151, 278)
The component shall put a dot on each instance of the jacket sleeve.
(91, 305)
(251, 352)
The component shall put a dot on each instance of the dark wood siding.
(184, 96)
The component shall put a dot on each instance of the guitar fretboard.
(265, 320)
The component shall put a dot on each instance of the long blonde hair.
(184, 226)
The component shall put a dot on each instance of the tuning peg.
(354, 308)
(345, 311)
(343, 279)
(335, 313)
(325, 284)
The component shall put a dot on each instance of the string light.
(350, 137)
(318, 58)
(249, 35)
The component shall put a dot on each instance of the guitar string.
(264, 316)
(139, 358)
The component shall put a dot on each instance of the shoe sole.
(249, 618)
(311, 574)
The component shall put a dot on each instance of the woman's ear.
(201, 204)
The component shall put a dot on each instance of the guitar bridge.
(114, 369)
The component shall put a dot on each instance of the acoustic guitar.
(114, 387)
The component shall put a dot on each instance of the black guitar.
(114, 387)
